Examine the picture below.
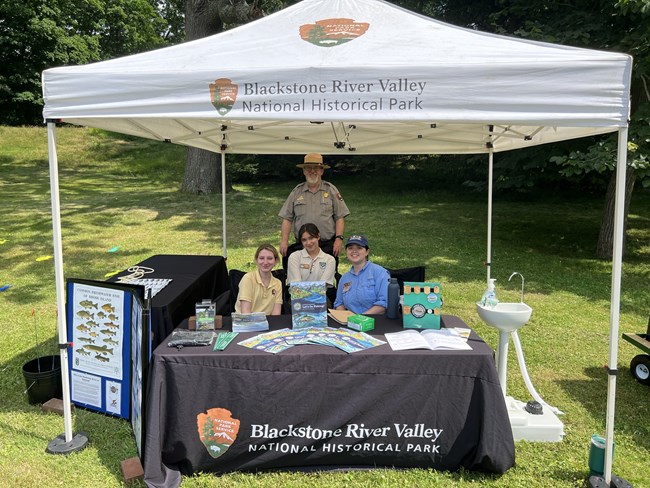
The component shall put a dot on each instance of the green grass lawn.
(122, 192)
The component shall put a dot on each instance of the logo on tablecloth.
(217, 430)
(332, 32)
(223, 95)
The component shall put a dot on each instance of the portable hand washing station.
(535, 420)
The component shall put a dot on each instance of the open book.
(341, 316)
(428, 339)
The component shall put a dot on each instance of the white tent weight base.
(353, 76)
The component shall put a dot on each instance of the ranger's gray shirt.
(322, 208)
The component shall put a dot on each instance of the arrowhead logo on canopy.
(217, 430)
(223, 95)
(332, 32)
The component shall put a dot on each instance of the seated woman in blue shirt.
(363, 289)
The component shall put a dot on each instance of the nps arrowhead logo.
(217, 430)
(223, 95)
(332, 32)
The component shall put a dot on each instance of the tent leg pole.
(488, 262)
(66, 442)
(614, 313)
(223, 202)
(615, 304)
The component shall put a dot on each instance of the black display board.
(109, 329)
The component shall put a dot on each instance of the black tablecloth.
(193, 279)
(317, 406)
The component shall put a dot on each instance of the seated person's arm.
(277, 309)
(338, 302)
(375, 309)
(330, 271)
(245, 295)
(381, 289)
(245, 306)
(293, 268)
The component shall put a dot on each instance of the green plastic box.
(421, 307)
(361, 323)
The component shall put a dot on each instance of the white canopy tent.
(363, 76)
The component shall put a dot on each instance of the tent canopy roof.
(349, 75)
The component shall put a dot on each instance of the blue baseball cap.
(358, 239)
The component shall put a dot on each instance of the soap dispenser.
(489, 298)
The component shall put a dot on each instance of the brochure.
(427, 339)
(346, 340)
(223, 339)
(308, 304)
(273, 342)
(249, 322)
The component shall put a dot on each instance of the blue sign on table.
(308, 304)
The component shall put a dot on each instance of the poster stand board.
(109, 331)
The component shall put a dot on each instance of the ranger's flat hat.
(313, 159)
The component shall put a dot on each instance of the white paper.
(86, 388)
(427, 339)
(445, 339)
(113, 397)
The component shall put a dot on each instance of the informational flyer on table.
(100, 317)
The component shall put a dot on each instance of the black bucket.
(43, 379)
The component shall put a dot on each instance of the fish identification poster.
(99, 322)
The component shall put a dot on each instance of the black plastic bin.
(43, 379)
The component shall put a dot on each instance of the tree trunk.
(202, 172)
(202, 168)
(204, 18)
(605, 246)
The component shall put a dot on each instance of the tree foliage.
(622, 26)
(37, 34)
(40, 34)
(616, 25)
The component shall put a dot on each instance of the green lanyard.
(223, 339)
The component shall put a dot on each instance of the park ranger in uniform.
(314, 202)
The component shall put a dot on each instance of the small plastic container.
(361, 323)
(597, 455)
(489, 298)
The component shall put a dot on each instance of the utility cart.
(640, 364)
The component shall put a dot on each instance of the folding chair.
(415, 274)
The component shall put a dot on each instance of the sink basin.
(505, 316)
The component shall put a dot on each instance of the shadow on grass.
(102, 429)
(631, 409)
(423, 224)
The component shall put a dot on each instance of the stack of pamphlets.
(453, 338)
(343, 339)
(249, 322)
(155, 285)
(223, 339)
